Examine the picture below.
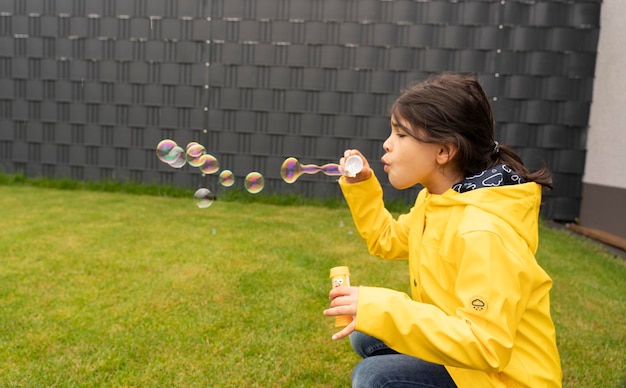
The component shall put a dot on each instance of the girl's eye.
(400, 135)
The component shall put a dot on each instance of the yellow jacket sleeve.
(476, 326)
(384, 236)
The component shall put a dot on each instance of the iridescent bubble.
(254, 182)
(208, 164)
(168, 151)
(227, 178)
(290, 170)
(331, 169)
(194, 153)
(163, 149)
(204, 198)
(190, 144)
(180, 159)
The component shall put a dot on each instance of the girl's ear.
(446, 153)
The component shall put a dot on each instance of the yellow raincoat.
(479, 301)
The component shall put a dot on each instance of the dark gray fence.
(88, 88)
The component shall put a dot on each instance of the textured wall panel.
(87, 89)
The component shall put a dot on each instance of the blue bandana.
(501, 175)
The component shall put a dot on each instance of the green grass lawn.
(114, 289)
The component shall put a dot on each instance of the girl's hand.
(365, 173)
(343, 301)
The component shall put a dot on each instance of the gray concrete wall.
(604, 180)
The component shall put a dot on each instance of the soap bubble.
(194, 153)
(331, 169)
(208, 164)
(168, 151)
(290, 170)
(227, 178)
(181, 161)
(254, 182)
(204, 198)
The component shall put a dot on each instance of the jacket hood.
(516, 204)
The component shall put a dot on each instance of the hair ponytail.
(508, 156)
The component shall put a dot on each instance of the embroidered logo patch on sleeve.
(478, 303)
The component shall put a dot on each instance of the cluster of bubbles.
(195, 155)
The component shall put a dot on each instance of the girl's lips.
(385, 165)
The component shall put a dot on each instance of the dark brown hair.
(453, 109)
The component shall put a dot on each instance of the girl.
(479, 311)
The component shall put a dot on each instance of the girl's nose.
(386, 146)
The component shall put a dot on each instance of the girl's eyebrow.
(396, 124)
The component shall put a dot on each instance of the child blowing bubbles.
(479, 311)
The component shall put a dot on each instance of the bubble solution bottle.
(340, 276)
